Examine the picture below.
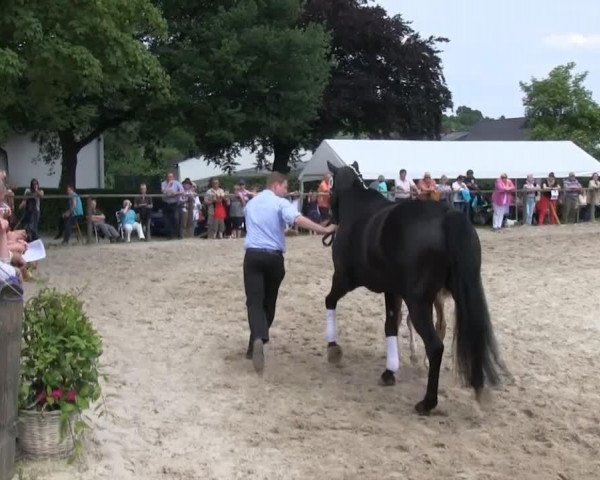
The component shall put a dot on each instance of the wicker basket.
(39, 434)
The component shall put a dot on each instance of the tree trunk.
(282, 153)
(70, 149)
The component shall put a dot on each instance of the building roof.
(453, 136)
(503, 129)
(488, 159)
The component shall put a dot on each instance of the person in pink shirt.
(502, 200)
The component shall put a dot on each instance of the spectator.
(444, 190)
(32, 204)
(246, 194)
(474, 189)
(172, 190)
(129, 221)
(405, 188)
(501, 200)
(216, 201)
(323, 198)
(548, 200)
(99, 222)
(12, 246)
(190, 197)
(531, 188)
(593, 196)
(236, 211)
(572, 189)
(382, 186)
(462, 196)
(143, 206)
(312, 209)
(71, 216)
(427, 188)
(5, 210)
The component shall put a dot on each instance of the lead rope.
(328, 236)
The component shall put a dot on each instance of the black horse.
(411, 251)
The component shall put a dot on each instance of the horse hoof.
(425, 407)
(387, 379)
(334, 353)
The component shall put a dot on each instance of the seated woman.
(129, 221)
(428, 188)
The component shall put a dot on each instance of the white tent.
(487, 159)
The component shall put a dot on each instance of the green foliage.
(245, 73)
(59, 364)
(79, 69)
(386, 81)
(463, 121)
(559, 107)
(130, 151)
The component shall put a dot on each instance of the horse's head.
(343, 179)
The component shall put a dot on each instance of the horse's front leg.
(393, 311)
(411, 340)
(339, 288)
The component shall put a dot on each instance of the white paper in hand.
(35, 251)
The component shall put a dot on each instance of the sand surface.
(182, 402)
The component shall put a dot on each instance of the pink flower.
(71, 395)
(57, 393)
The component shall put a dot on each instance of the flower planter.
(40, 434)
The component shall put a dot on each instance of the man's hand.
(331, 228)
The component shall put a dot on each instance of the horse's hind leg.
(440, 323)
(339, 288)
(421, 315)
(393, 305)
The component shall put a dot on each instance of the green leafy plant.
(59, 359)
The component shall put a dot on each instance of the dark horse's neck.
(355, 202)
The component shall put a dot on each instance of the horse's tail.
(476, 350)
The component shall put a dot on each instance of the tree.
(386, 80)
(559, 107)
(463, 121)
(244, 73)
(81, 70)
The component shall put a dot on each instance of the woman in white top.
(405, 188)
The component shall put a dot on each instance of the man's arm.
(302, 221)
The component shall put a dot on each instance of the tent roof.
(487, 159)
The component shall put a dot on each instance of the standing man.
(172, 191)
(267, 215)
(143, 205)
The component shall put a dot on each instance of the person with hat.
(267, 215)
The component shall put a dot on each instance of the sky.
(495, 45)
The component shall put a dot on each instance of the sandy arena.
(183, 402)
